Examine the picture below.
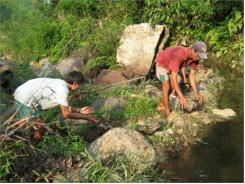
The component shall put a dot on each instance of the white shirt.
(46, 92)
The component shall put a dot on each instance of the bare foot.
(160, 108)
(167, 113)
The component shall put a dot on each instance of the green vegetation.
(65, 144)
(32, 30)
(220, 23)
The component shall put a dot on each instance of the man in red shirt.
(169, 62)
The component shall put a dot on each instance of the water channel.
(221, 158)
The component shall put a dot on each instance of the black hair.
(74, 76)
(5, 78)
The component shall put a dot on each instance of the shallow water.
(220, 159)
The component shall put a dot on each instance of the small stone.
(106, 116)
(149, 127)
(141, 122)
(61, 179)
(180, 131)
(170, 131)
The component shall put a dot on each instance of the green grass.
(57, 146)
(118, 169)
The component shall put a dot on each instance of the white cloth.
(45, 92)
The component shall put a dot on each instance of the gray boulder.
(111, 103)
(193, 105)
(126, 141)
(72, 64)
(150, 127)
(152, 91)
(109, 77)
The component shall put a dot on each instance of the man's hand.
(80, 96)
(183, 102)
(92, 118)
(199, 98)
(87, 110)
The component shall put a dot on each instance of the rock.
(111, 103)
(109, 77)
(35, 65)
(193, 105)
(206, 94)
(176, 120)
(160, 134)
(224, 113)
(180, 131)
(149, 127)
(202, 117)
(6, 57)
(48, 70)
(72, 64)
(152, 91)
(126, 141)
(61, 179)
(202, 86)
(209, 74)
(218, 79)
(138, 45)
(44, 61)
(141, 122)
(200, 75)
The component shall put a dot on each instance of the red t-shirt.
(175, 58)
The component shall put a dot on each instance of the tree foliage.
(35, 29)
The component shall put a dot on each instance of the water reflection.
(221, 160)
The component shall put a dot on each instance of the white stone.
(137, 46)
(224, 113)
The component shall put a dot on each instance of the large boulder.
(138, 46)
(126, 141)
(67, 65)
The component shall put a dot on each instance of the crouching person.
(40, 94)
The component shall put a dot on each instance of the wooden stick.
(16, 123)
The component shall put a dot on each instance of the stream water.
(221, 158)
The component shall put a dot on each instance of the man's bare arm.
(182, 99)
(194, 87)
(74, 113)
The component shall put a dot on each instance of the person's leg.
(165, 97)
(162, 75)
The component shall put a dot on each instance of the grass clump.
(118, 169)
(10, 152)
(58, 146)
